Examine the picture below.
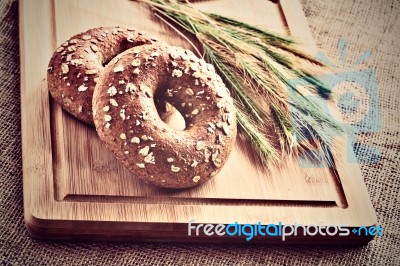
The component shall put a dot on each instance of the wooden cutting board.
(75, 189)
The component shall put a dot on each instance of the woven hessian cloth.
(365, 25)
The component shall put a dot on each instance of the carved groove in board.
(85, 167)
(199, 201)
(56, 139)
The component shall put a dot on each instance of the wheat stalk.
(259, 68)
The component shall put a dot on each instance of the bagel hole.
(172, 117)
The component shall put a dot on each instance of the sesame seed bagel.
(75, 66)
(127, 121)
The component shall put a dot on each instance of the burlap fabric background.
(365, 24)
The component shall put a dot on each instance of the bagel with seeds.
(127, 120)
(75, 66)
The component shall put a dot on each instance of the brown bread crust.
(75, 65)
(127, 121)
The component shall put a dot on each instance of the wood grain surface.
(75, 188)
